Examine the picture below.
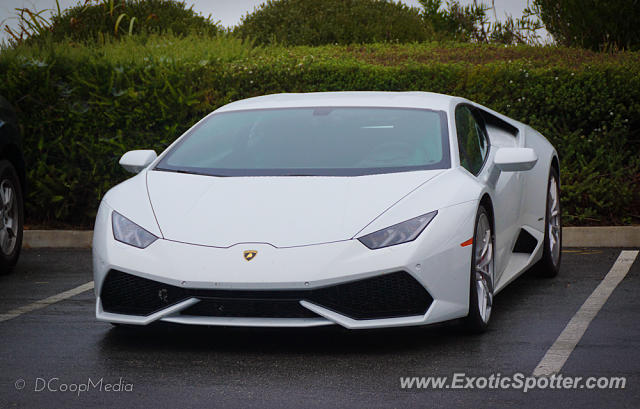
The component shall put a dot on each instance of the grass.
(227, 48)
(137, 50)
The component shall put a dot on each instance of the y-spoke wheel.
(549, 265)
(553, 224)
(8, 216)
(482, 274)
(11, 216)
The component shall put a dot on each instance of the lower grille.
(386, 296)
(124, 293)
(390, 295)
(233, 307)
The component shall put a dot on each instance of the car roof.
(413, 99)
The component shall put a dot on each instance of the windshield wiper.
(187, 172)
(175, 170)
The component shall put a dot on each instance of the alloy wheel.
(483, 269)
(8, 217)
(554, 221)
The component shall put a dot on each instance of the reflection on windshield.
(339, 141)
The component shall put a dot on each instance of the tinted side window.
(473, 145)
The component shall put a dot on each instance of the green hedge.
(313, 22)
(82, 107)
(91, 21)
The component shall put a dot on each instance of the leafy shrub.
(592, 24)
(118, 17)
(455, 22)
(469, 23)
(82, 107)
(313, 22)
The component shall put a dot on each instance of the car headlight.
(126, 231)
(398, 233)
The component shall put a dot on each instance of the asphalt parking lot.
(59, 342)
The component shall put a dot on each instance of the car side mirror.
(135, 161)
(515, 159)
(511, 160)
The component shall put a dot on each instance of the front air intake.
(390, 295)
(124, 293)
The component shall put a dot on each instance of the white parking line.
(557, 355)
(46, 302)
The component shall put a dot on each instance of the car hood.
(282, 211)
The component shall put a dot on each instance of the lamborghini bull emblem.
(250, 254)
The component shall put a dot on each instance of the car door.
(474, 146)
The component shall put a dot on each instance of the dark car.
(12, 188)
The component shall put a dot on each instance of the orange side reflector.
(467, 243)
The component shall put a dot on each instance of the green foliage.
(81, 107)
(523, 30)
(121, 17)
(30, 24)
(313, 22)
(593, 24)
(455, 22)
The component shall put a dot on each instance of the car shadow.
(328, 339)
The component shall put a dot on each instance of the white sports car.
(362, 209)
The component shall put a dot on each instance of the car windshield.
(326, 141)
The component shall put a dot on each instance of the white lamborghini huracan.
(362, 209)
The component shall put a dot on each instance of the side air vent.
(525, 243)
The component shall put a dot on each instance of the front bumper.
(344, 283)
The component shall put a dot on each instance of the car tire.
(11, 217)
(549, 264)
(481, 274)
